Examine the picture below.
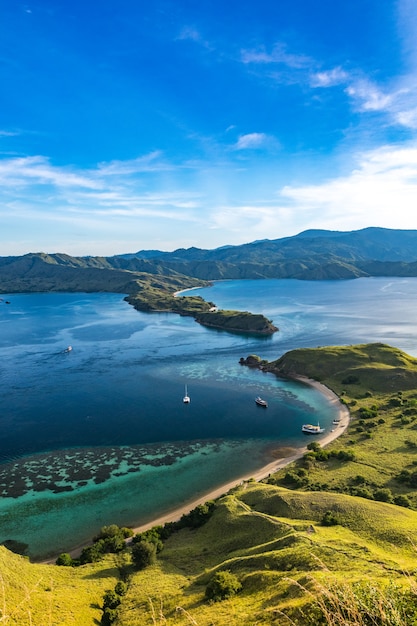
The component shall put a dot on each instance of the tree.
(223, 585)
(111, 601)
(120, 588)
(64, 559)
(143, 554)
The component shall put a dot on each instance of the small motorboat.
(260, 402)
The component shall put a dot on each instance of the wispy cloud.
(253, 141)
(369, 97)
(8, 133)
(24, 171)
(149, 163)
(329, 78)
(278, 55)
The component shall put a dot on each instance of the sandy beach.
(341, 413)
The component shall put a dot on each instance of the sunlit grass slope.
(42, 595)
(273, 540)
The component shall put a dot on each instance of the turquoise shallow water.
(100, 434)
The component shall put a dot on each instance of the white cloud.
(191, 33)
(369, 97)
(252, 141)
(25, 171)
(329, 78)
(149, 163)
(381, 191)
(278, 55)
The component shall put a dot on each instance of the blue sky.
(129, 125)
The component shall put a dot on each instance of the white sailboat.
(186, 399)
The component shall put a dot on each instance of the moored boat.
(186, 399)
(311, 429)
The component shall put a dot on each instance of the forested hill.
(310, 255)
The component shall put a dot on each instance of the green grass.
(272, 540)
(43, 595)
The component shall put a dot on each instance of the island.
(150, 287)
(156, 294)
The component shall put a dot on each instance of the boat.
(186, 399)
(261, 402)
(68, 349)
(311, 429)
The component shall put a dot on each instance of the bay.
(100, 434)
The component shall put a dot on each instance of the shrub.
(109, 616)
(313, 445)
(153, 535)
(404, 476)
(322, 455)
(120, 588)
(64, 559)
(92, 554)
(222, 585)
(330, 519)
(111, 600)
(402, 501)
(383, 495)
(143, 554)
(362, 492)
(350, 380)
(366, 413)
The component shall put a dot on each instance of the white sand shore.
(172, 516)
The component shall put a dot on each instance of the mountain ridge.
(310, 255)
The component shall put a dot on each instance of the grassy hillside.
(274, 542)
(329, 539)
(41, 595)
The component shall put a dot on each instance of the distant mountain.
(310, 255)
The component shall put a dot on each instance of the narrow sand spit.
(343, 416)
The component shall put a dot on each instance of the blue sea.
(100, 434)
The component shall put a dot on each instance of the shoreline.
(174, 515)
(342, 413)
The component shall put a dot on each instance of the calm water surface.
(100, 434)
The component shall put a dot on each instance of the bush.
(366, 413)
(402, 501)
(109, 616)
(143, 554)
(383, 495)
(92, 554)
(64, 559)
(153, 535)
(222, 585)
(330, 519)
(111, 600)
(120, 588)
(350, 380)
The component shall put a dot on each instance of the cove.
(100, 435)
